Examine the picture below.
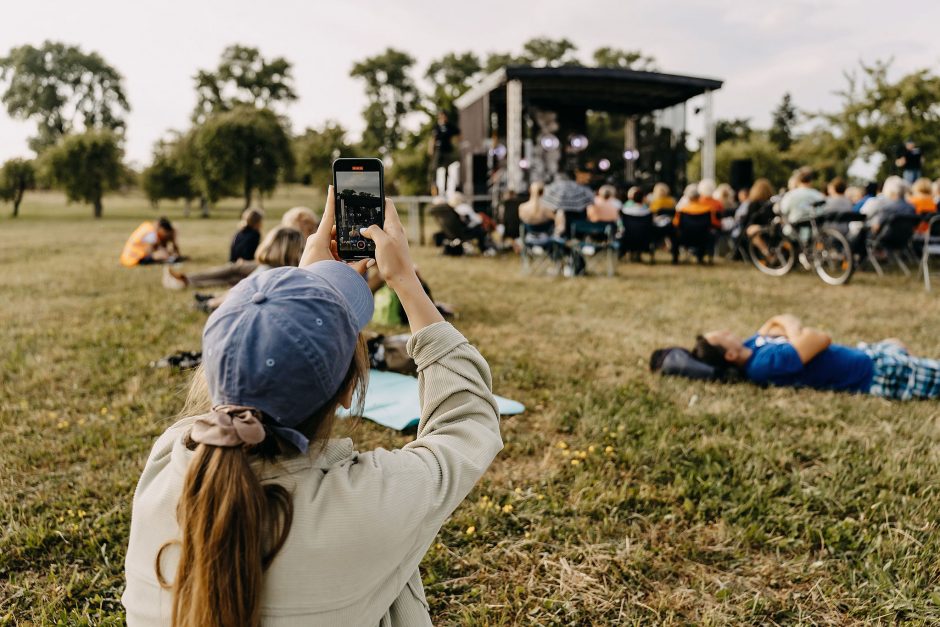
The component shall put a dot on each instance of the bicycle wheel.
(832, 257)
(771, 252)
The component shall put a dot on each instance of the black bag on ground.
(677, 361)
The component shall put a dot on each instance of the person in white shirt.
(803, 201)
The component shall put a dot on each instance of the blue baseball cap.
(283, 340)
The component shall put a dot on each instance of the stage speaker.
(742, 174)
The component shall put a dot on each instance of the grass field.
(621, 497)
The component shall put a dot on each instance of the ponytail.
(225, 516)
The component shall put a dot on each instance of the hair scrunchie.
(229, 425)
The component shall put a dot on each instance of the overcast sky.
(760, 48)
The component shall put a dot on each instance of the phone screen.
(358, 205)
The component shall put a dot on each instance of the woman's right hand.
(394, 262)
(391, 249)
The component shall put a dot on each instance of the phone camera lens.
(361, 245)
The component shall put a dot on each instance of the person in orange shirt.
(922, 200)
(151, 242)
(695, 238)
(706, 193)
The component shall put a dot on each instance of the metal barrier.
(414, 206)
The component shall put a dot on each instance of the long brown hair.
(232, 526)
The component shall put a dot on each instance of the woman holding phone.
(248, 513)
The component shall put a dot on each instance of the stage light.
(549, 142)
(603, 165)
(499, 151)
(578, 142)
(631, 155)
(524, 164)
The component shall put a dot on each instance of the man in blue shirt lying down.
(784, 352)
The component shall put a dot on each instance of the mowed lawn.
(621, 497)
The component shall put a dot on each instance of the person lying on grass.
(247, 513)
(784, 352)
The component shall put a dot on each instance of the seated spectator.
(836, 200)
(935, 191)
(302, 219)
(282, 246)
(533, 212)
(606, 207)
(694, 223)
(639, 235)
(696, 204)
(854, 193)
(473, 221)
(661, 199)
(151, 242)
(706, 195)
(724, 194)
(634, 206)
(742, 196)
(893, 203)
(246, 241)
(803, 200)
(922, 200)
(756, 208)
(785, 353)
(870, 191)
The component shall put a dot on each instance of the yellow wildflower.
(471, 530)
(507, 508)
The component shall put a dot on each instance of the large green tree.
(879, 113)
(86, 166)
(548, 52)
(244, 150)
(392, 95)
(169, 175)
(450, 76)
(16, 176)
(243, 77)
(624, 59)
(316, 149)
(63, 89)
(783, 121)
(732, 129)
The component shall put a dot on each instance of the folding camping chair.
(930, 247)
(541, 250)
(894, 239)
(638, 237)
(694, 233)
(592, 241)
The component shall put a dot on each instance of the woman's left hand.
(321, 246)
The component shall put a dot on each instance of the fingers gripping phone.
(359, 188)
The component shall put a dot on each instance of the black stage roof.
(601, 89)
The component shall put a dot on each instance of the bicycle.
(775, 248)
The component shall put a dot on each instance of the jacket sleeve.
(408, 493)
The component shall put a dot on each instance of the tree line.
(240, 142)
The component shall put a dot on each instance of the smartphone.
(359, 190)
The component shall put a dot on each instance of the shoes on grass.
(183, 360)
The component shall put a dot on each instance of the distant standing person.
(441, 148)
(248, 237)
(909, 160)
(151, 242)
